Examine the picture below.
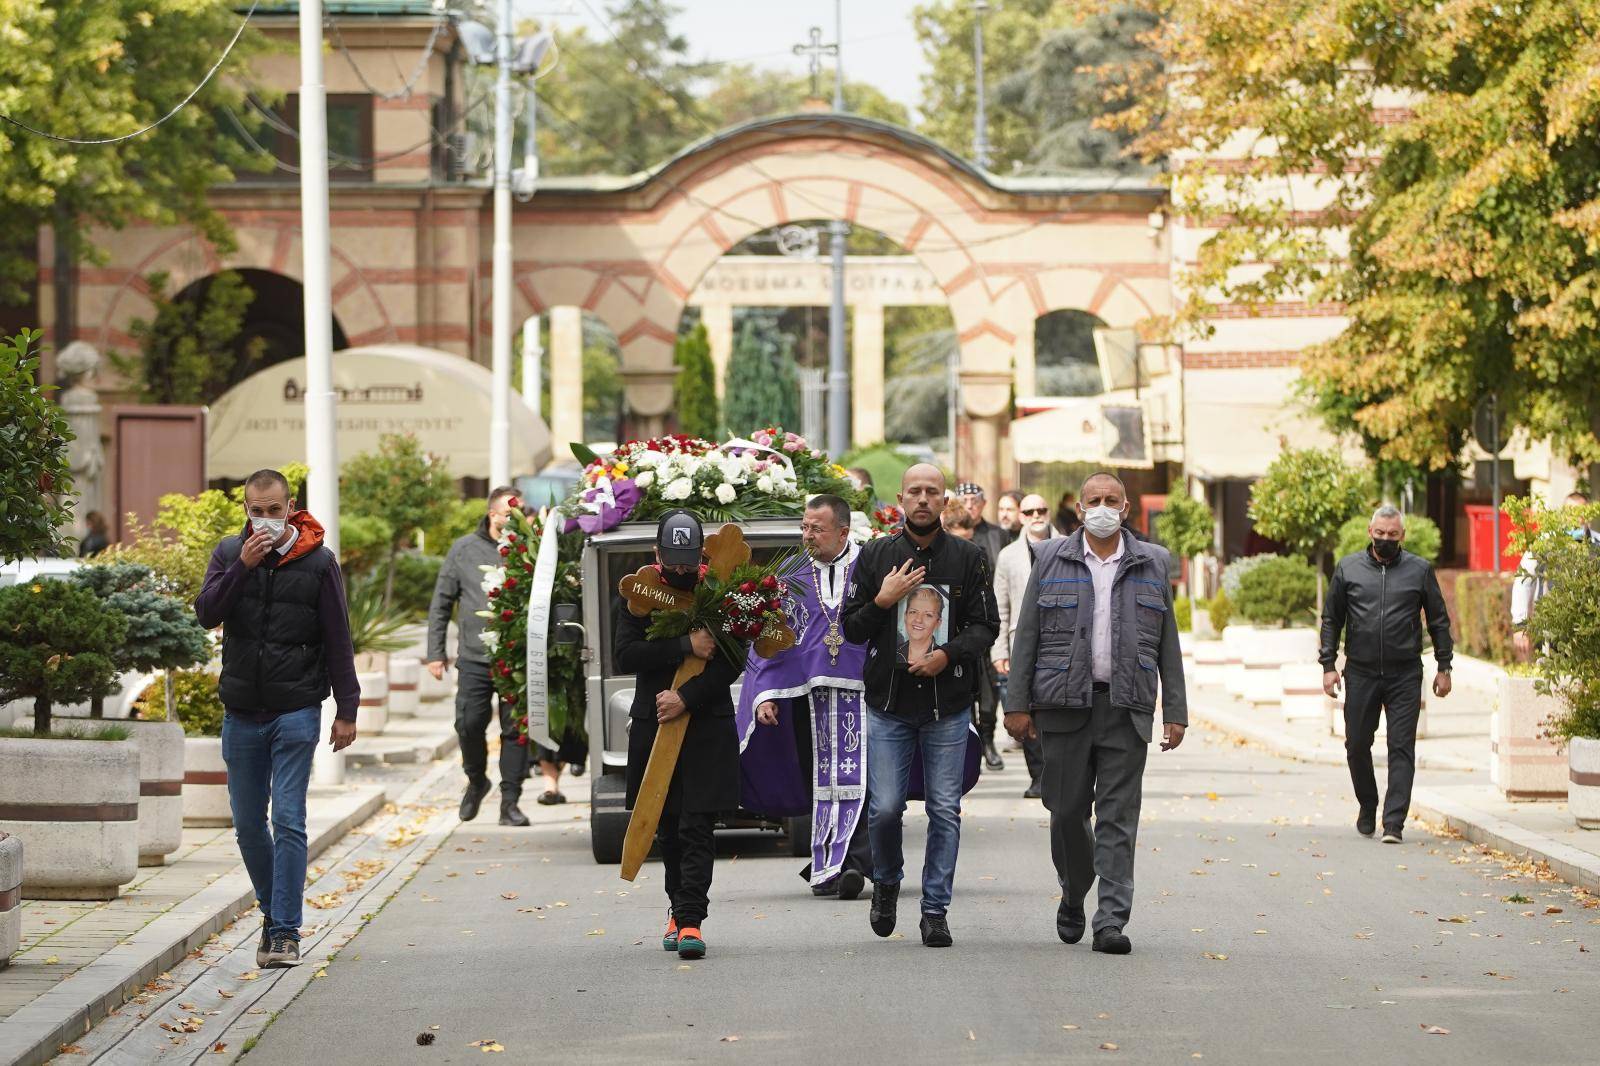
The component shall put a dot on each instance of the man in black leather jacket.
(1376, 600)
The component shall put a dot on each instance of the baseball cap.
(969, 488)
(679, 538)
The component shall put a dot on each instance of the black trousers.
(988, 702)
(859, 857)
(475, 702)
(1399, 697)
(688, 850)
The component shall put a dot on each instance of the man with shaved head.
(921, 600)
(1094, 636)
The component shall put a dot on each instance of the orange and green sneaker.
(669, 939)
(691, 945)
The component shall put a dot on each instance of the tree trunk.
(97, 707)
(41, 714)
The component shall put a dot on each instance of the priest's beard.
(922, 531)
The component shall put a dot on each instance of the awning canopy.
(1084, 431)
(383, 388)
(1236, 422)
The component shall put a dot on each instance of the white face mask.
(269, 525)
(1102, 521)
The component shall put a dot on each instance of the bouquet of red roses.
(752, 605)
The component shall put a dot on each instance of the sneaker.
(285, 953)
(851, 882)
(472, 799)
(1367, 821)
(691, 945)
(669, 939)
(1110, 941)
(885, 900)
(1070, 921)
(935, 931)
(510, 813)
(264, 947)
(1391, 835)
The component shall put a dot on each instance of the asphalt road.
(1265, 931)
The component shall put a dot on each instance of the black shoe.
(1111, 942)
(829, 889)
(1367, 821)
(1392, 834)
(264, 948)
(285, 953)
(885, 900)
(935, 931)
(550, 799)
(851, 882)
(1070, 921)
(472, 799)
(510, 813)
(576, 769)
(991, 756)
(1032, 792)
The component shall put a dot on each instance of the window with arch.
(1064, 362)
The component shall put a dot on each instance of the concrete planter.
(1302, 698)
(1234, 640)
(205, 783)
(10, 897)
(1528, 767)
(1583, 781)
(1266, 653)
(373, 714)
(405, 679)
(161, 760)
(1210, 662)
(75, 804)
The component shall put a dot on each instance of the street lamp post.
(322, 452)
(838, 370)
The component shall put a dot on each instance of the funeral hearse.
(607, 559)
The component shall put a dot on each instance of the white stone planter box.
(1210, 662)
(75, 804)
(1529, 766)
(161, 762)
(1266, 653)
(10, 896)
(1234, 640)
(205, 783)
(405, 677)
(373, 714)
(1302, 696)
(1583, 781)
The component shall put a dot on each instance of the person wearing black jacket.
(705, 781)
(919, 586)
(1374, 602)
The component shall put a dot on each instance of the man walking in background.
(1010, 585)
(1008, 515)
(1376, 602)
(1094, 707)
(278, 595)
(460, 584)
(992, 539)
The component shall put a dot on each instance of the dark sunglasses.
(1037, 511)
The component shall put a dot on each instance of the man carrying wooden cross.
(705, 781)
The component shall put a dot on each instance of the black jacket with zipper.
(1378, 609)
(961, 569)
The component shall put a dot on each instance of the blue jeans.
(272, 760)
(891, 742)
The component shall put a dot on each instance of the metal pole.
(500, 359)
(1494, 477)
(322, 451)
(980, 120)
(532, 365)
(838, 369)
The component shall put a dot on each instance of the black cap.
(679, 538)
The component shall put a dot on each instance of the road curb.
(1572, 865)
(35, 1033)
(1282, 742)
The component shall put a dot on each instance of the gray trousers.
(1094, 762)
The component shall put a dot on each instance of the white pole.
(500, 363)
(532, 360)
(838, 367)
(322, 452)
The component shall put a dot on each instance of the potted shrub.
(198, 710)
(1278, 596)
(1565, 627)
(374, 631)
(1305, 498)
(163, 634)
(1236, 633)
(1187, 529)
(72, 795)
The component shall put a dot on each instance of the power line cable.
(141, 132)
(407, 83)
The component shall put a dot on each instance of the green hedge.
(1221, 611)
(1181, 615)
(1483, 615)
(194, 693)
(1280, 590)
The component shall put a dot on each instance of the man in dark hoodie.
(279, 598)
(461, 583)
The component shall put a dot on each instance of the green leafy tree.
(401, 484)
(1281, 591)
(1422, 536)
(186, 353)
(61, 646)
(103, 70)
(1565, 623)
(196, 701)
(696, 386)
(740, 93)
(35, 478)
(1305, 498)
(1188, 529)
(163, 633)
(763, 387)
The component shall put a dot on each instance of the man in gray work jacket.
(1096, 630)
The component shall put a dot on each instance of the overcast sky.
(879, 45)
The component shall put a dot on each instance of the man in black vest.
(277, 593)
